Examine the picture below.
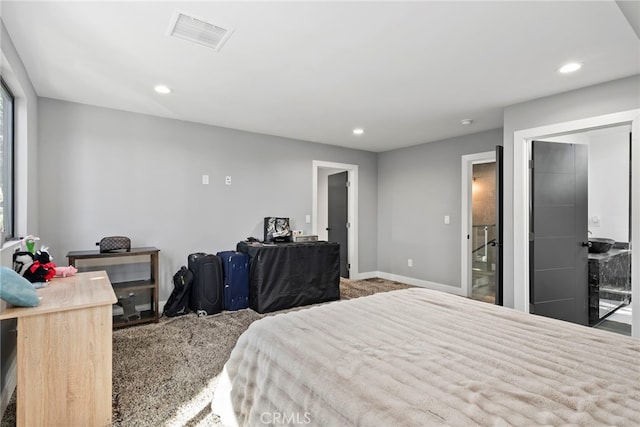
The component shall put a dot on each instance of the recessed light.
(162, 89)
(570, 67)
(466, 122)
(358, 131)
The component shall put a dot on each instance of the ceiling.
(405, 72)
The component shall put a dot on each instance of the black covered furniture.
(286, 275)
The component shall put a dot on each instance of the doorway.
(596, 209)
(483, 232)
(321, 172)
(337, 216)
(481, 251)
(521, 200)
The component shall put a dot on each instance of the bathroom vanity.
(609, 282)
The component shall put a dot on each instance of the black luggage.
(235, 266)
(206, 289)
(178, 302)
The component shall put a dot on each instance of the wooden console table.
(65, 353)
(126, 288)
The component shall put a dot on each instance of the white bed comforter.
(417, 357)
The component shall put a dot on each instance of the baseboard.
(365, 275)
(10, 385)
(118, 311)
(421, 283)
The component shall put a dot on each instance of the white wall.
(107, 172)
(609, 184)
(26, 137)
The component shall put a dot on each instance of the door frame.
(521, 196)
(466, 217)
(352, 207)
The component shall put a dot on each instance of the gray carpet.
(164, 374)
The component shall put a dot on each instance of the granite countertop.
(611, 253)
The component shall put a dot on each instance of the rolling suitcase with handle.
(235, 266)
(206, 288)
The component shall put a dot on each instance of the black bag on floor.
(206, 290)
(178, 302)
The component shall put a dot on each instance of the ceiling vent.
(198, 31)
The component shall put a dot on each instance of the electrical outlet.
(410, 262)
(227, 180)
(447, 220)
(205, 179)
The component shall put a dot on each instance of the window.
(6, 160)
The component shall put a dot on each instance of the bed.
(418, 357)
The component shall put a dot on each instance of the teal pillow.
(17, 290)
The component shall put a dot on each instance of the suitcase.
(206, 289)
(235, 267)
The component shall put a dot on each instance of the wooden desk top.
(97, 254)
(83, 290)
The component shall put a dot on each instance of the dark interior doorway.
(338, 217)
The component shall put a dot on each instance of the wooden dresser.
(64, 353)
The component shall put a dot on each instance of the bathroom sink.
(600, 245)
